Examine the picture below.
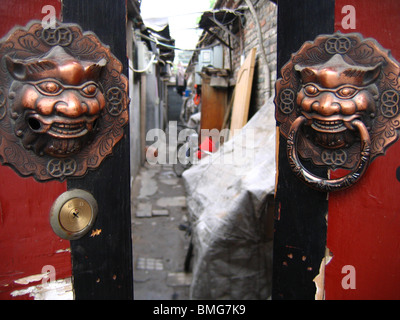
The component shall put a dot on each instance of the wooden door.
(300, 225)
(343, 242)
(363, 221)
(102, 265)
(213, 105)
(27, 242)
(99, 263)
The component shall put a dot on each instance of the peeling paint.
(64, 250)
(95, 233)
(319, 279)
(55, 290)
(279, 212)
(32, 278)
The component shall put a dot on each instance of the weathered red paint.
(363, 221)
(27, 242)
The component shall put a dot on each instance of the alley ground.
(159, 246)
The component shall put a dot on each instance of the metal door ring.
(319, 183)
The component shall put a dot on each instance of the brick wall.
(267, 18)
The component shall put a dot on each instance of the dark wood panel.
(300, 225)
(102, 265)
(213, 105)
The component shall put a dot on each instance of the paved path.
(159, 247)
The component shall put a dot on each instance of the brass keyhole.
(75, 212)
(75, 215)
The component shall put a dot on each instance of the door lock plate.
(73, 214)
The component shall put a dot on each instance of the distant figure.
(180, 79)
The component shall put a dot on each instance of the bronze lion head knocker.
(337, 104)
(55, 101)
(63, 101)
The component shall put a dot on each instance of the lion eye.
(90, 90)
(49, 87)
(346, 92)
(311, 90)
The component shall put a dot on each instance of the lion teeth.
(328, 125)
(68, 128)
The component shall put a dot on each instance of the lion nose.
(71, 106)
(326, 105)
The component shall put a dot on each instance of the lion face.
(333, 95)
(56, 102)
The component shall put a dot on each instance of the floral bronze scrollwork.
(63, 101)
(337, 104)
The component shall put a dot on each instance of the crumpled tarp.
(227, 205)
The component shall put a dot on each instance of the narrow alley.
(210, 151)
(159, 246)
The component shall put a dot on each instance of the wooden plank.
(300, 225)
(102, 263)
(241, 103)
(213, 105)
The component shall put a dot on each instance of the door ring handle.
(319, 183)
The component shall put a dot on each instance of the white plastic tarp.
(226, 198)
(157, 24)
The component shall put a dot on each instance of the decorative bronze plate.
(337, 103)
(63, 101)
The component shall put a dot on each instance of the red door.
(355, 229)
(64, 116)
(28, 245)
(363, 221)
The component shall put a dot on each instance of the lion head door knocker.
(337, 104)
(63, 101)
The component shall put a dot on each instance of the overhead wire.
(152, 60)
(226, 11)
(173, 47)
